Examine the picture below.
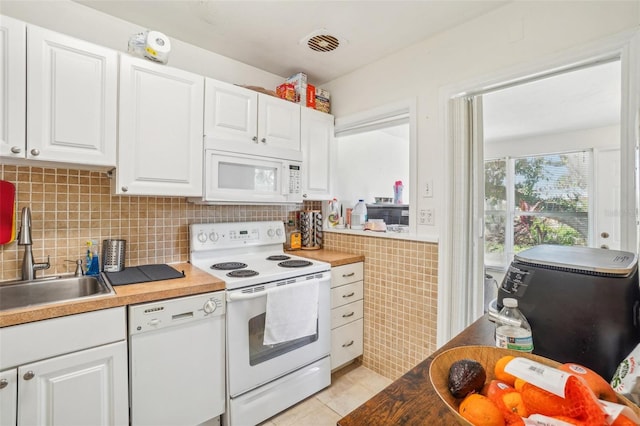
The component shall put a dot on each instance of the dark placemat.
(143, 274)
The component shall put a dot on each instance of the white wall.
(368, 165)
(76, 20)
(515, 36)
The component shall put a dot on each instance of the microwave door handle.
(285, 179)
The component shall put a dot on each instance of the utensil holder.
(113, 255)
(311, 229)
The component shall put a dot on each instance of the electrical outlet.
(429, 218)
(426, 217)
(428, 189)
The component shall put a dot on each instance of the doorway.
(551, 164)
(461, 252)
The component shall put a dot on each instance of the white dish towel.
(292, 312)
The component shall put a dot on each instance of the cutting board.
(7, 212)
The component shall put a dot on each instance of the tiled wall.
(400, 300)
(70, 207)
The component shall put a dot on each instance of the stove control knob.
(279, 232)
(213, 236)
(270, 232)
(209, 306)
(202, 237)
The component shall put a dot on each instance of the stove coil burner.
(279, 257)
(295, 263)
(227, 266)
(242, 273)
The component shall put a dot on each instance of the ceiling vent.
(322, 41)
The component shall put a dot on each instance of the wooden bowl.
(487, 356)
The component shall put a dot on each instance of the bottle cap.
(510, 302)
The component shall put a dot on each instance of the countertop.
(412, 400)
(195, 281)
(335, 258)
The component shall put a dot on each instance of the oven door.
(250, 363)
(251, 179)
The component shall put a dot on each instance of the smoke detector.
(322, 41)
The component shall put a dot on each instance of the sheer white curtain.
(461, 302)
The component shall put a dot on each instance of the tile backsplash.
(70, 207)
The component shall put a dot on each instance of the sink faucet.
(29, 267)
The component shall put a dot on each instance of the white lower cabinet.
(8, 397)
(347, 313)
(82, 388)
(65, 371)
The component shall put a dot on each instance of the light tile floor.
(350, 387)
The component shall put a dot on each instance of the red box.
(311, 96)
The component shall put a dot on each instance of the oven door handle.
(234, 297)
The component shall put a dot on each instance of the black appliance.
(392, 214)
(582, 303)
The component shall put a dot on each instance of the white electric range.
(264, 379)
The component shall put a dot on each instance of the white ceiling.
(267, 33)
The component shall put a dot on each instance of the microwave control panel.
(295, 178)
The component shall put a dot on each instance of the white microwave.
(241, 178)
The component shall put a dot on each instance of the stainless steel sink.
(21, 294)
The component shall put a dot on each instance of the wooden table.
(412, 400)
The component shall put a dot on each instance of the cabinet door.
(230, 117)
(82, 388)
(160, 144)
(8, 397)
(71, 99)
(317, 138)
(278, 127)
(13, 60)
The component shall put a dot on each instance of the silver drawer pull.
(348, 295)
(4, 383)
(29, 375)
(346, 345)
(350, 314)
(348, 275)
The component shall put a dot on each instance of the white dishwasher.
(176, 360)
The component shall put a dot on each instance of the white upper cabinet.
(160, 134)
(317, 142)
(71, 99)
(245, 121)
(13, 71)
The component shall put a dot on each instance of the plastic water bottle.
(359, 215)
(512, 329)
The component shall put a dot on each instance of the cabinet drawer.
(345, 314)
(347, 274)
(346, 294)
(346, 343)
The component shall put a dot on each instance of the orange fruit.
(480, 411)
(519, 384)
(600, 387)
(500, 374)
(509, 401)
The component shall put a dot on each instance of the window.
(542, 199)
